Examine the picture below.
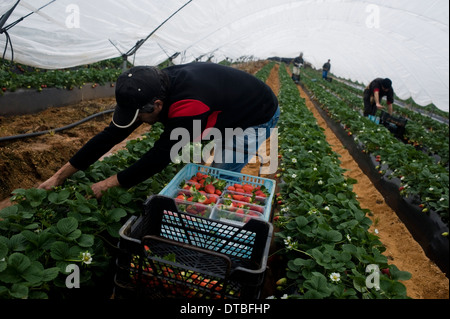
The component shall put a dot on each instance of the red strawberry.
(260, 194)
(247, 199)
(209, 188)
(240, 212)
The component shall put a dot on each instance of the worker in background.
(194, 98)
(373, 94)
(325, 69)
(298, 63)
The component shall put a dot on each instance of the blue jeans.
(324, 74)
(240, 148)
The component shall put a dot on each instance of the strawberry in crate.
(196, 196)
(204, 182)
(247, 198)
(194, 208)
(232, 210)
(258, 191)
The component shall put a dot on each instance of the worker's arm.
(59, 177)
(376, 96)
(390, 109)
(89, 153)
(102, 186)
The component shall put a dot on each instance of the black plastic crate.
(395, 124)
(171, 254)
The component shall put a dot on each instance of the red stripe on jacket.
(192, 108)
(187, 108)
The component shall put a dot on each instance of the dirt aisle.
(427, 282)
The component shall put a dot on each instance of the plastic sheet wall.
(405, 40)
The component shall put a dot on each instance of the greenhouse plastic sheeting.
(405, 40)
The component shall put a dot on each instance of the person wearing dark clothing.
(325, 69)
(208, 95)
(373, 94)
(298, 63)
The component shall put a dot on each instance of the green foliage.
(422, 178)
(45, 231)
(15, 76)
(323, 232)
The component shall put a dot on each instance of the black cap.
(386, 83)
(135, 88)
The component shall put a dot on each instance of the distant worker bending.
(298, 63)
(374, 93)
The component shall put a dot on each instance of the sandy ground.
(26, 163)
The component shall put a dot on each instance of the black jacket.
(218, 96)
(376, 85)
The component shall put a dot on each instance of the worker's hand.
(379, 106)
(59, 177)
(50, 183)
(102, 186)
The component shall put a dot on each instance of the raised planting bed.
(425, 225)
(29, 101)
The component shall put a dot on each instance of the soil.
(28, 162)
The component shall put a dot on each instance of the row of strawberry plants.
(420, 179)
(44, 232)
(16, 76)
(322, 232)
(264, 72)
(421, 131)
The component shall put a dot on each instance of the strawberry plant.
(46, 231)
(15, 76)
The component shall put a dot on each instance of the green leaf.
(50, 273)
(17, 265)
(113, 229)
(35, 196)
(19, 291)
(86, 240)
(329, 235)
(117, 213)
(17, 243)
(317, 286)
(125, 198)
(3, 250)
(60, 197)
(83, 209)
(60, 251)
(67, 225)
(9, 211)
(301, 221)
(33, 274)
(397, 274)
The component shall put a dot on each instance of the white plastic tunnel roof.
(405, 40)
